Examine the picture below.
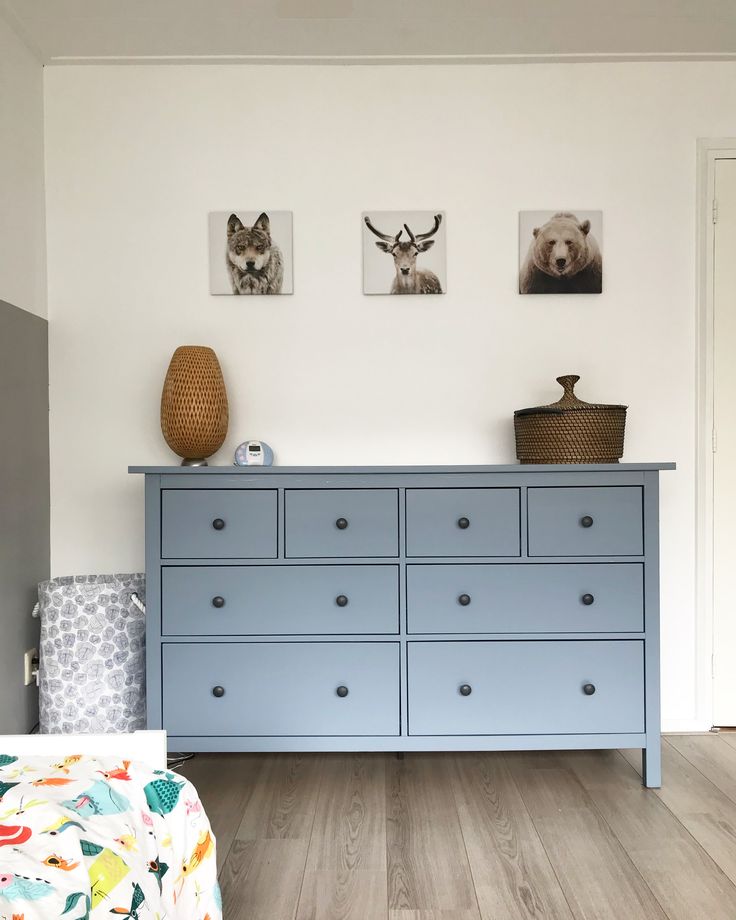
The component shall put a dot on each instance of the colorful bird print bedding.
(83, 838)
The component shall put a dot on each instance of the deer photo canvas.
(560, 252)
(404, 252)
(251, 252)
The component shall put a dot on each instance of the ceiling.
(98, 31)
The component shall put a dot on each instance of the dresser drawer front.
(218, 523)
(520, 598)
(526, 688)
(348, 523)
(280, 600)
(462, 522)
(557, 519)
(281, 689)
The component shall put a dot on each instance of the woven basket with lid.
(570, 430)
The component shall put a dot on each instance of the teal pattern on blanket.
(14, 887)
(163, 794)
(6, 787)
(99, 799)
(89, 848)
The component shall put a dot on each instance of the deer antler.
(383, 236)
(425, 236)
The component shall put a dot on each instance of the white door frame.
(709, 150)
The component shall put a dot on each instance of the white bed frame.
(146, 746)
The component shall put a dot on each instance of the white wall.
(137, 156)
(22, 220)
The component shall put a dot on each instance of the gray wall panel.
(24, 503)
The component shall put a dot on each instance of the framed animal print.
(560, 252)
(251, 252)
(404, 252)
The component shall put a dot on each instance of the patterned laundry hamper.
(92, 654)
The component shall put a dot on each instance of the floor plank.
(708, 814)
(712, 757)
(262, 879)
(284, 798)
(224, 782)
(598, 878)
(263, 874)
(428, 868)
(511, 871)
(345, 876)
(433, 915)
(684, 879)
(729, 737)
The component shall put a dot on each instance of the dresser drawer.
(526, 688)
(520, 598)
(285, 688)
(218, 523)
(462, 522)
(342, 523)
(280, 600)
(586, 521)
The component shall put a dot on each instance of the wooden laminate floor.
(475, 836)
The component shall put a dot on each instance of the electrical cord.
(176, 759)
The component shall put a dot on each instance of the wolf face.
(254, 262)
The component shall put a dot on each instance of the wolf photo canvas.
(251, 252)
(560, 252)
(404, 252)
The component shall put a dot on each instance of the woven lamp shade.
(194, 410)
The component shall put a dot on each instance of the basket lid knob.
(567, 382)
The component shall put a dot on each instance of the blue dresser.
(404, 608)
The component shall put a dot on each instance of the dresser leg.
(651, 764)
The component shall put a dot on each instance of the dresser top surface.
(396, 470)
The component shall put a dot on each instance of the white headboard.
(146, 746)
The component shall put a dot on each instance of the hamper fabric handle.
(36, 612)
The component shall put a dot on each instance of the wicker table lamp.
(194, 410)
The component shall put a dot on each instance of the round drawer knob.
(588, 599)
(464, 600)
(463, 523)
(341, 523)
(465, 689)
(342, 692)
(218, 601)
(589, 689)
(586, 521)
(218, 692)
(218, 524)
(341, 600)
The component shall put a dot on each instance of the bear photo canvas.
(251, 252)
(404, 252)
(560, 252)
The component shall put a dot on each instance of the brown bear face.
(561, 245)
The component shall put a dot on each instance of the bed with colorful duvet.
(85, 837)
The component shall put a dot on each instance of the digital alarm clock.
(253, 453)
